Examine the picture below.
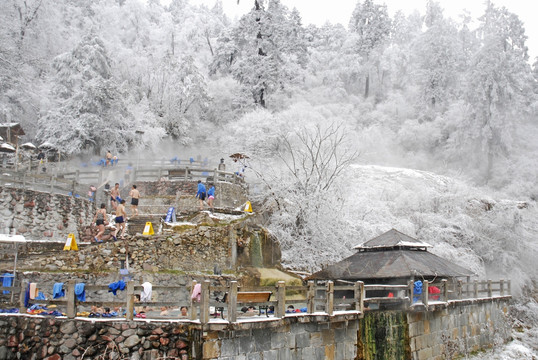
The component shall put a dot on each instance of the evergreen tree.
(370, 23)
(88, 111)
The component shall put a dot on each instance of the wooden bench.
(253, 297)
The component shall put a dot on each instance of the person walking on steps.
(201, 194)
(99, 219)
(120, 220)
(211, 196)
(135, 195)
(115, 196)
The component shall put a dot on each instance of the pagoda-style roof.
(392, 239)
(391, 255)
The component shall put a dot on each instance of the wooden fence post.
(460, 289)
(192, 308)
(310, 297)
(501, 287)
(71, 308)
(186, 173)
(425, 293)
(509, 286)
(444, 291)
(490, 289)
(22, 294)
(410, 290)
(232, 302)
(475, 289)
(130, 301)
(280, 310)
(204, 304)
(359, 296)
(329, 308)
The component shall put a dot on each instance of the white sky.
(339, 11)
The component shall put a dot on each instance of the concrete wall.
(39, 215)
(304, 337)
(460, 329)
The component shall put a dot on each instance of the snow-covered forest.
(417, 121)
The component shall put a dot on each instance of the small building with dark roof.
(391, 258)
(11, 132)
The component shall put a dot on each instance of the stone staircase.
(136, 224)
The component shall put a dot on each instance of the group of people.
(202, 194)
(118, 206)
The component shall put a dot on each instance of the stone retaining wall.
(24, 337)
(456, 330)
(39, 215)
(158, 196)
(201, 248)
(462, 328)
(444, 332)
(308, 337)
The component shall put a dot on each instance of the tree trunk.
(367, 86)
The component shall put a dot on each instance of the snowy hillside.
(480, 230)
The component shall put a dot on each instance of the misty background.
(416, 122)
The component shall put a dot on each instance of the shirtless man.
(120, 219)
(135, 195)
(114, 195)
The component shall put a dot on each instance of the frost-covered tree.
(261, 52)
(305, 197)
(436, 56)
(88, 110)
(370, 23)
(499, 89)
(179, 96)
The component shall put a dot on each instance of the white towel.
(145, 295)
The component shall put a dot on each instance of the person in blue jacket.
(201, 194)
(211, 196)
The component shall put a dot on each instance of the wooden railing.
(327, 299)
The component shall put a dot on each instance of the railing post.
(280, 310)
(410, 291)
(215, 178)
(232, 302)
(192, 308)
(359, 296)
(310, 297)
(130, 301)
(186, 173)
(329, 308)
(460, 289)
(71, 308)
(501, 287)
(22, 294)
(425, 293)
(509, 286)
(475, 289)
(444, 291)
(490, 289)
(204, 305)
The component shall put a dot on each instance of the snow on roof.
(392, 238)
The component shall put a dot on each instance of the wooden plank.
(253, 296)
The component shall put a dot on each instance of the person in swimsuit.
(114, 196)
(120, 220)
(99, 220)
(211, 196)
(135, 195)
